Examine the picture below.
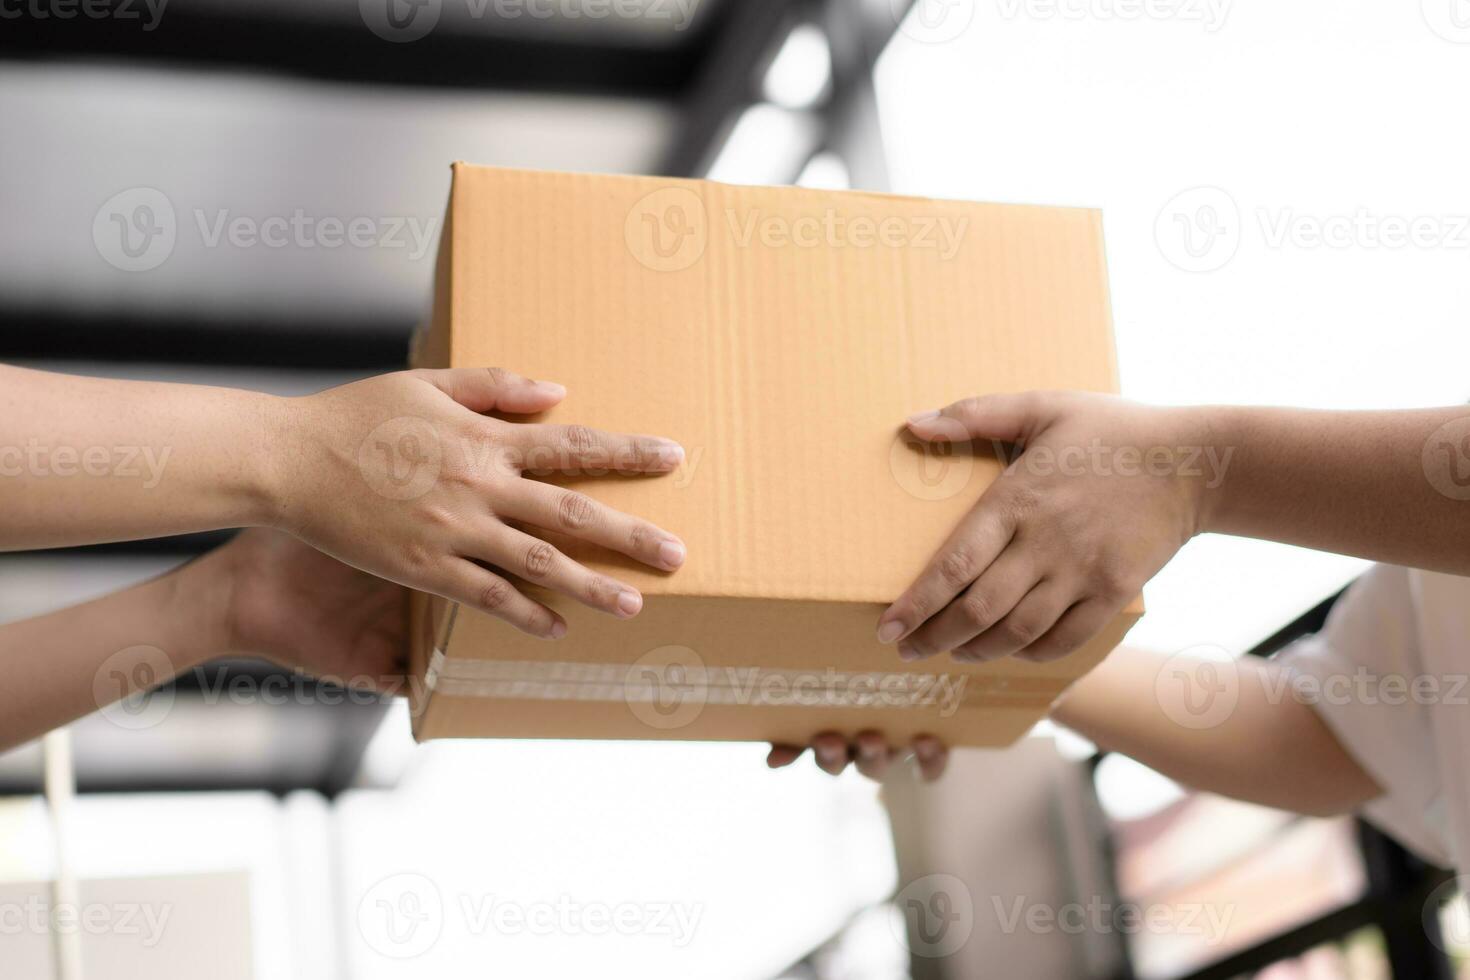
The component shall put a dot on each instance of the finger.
(831, 752)
(482, 589)
(1006, 418)
(1036, 612)
(873, 754)
(496, 390)
(577, 449)
(781, 756)
(1078, 625)
(993, 595)
(932, 756)
(570, 512)
(538, 561)
(971, 548)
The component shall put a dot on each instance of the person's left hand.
(303, 610)
(869, 750)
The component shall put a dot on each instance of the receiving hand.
(1102, 495)
(869, 750)
(404, 476)
(303, 610)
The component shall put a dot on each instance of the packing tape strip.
(646, 683)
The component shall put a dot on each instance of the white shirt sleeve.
(1359, 675)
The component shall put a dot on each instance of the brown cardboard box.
(782, 336)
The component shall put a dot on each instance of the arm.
(263, 594)
(85, 460)
(1369, 484)
(404, 475)
(1270, 749)
(1101, 493)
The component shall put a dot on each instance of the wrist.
(1218, 434)
(199, 601)
(267, 489)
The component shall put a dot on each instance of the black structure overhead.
(51, 334)
(258, 38)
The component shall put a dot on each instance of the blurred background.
(1257, 164)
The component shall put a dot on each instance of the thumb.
(1006, 418)
(496, 390)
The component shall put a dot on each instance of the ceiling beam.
(346, 50)
(52, 333)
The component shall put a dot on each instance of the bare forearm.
(1388, 486)
(1267, 747)
(86, 459)
(62, 666)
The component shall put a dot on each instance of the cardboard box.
(781, 335)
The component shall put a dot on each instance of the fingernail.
(671, 554)
(552, 388)
(671, 453)
(629, 603)
(828, 753)
(558, 630)
(890, 631)
(869, 751)
(907, 652)
(919, 417)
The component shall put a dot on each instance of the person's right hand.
(869, 750)
(403, 476)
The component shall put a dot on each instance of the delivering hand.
(1101, 496)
